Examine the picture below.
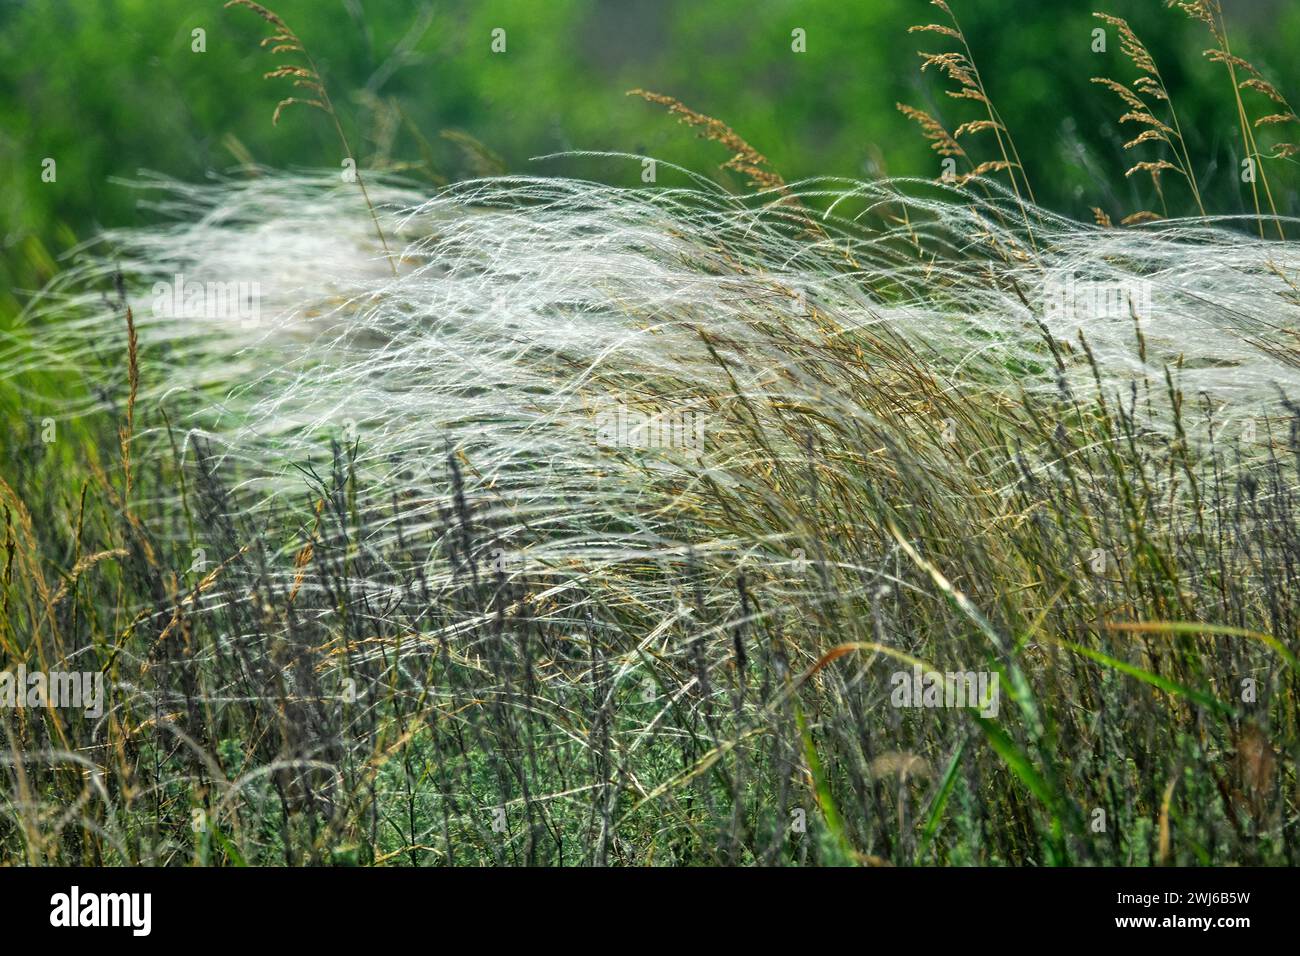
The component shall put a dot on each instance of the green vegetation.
(459, 630)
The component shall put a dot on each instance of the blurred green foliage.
(107, 88)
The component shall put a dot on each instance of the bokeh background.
(109, 88)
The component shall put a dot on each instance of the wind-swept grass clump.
(637, 644)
